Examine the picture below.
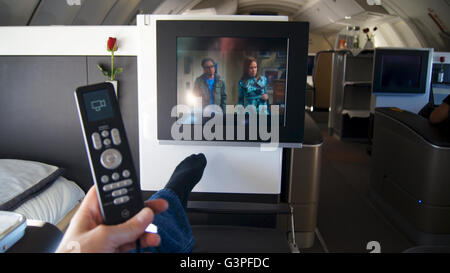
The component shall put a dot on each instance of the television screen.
(231, 71)
(401, 71)
(231, 81)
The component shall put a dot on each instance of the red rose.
(112, 44)
(442, 59)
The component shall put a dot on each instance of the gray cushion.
(20, 180)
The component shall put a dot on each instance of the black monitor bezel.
(378, 71)
(310, 70)
(167, 32)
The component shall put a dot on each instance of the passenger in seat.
(166, 209)
(441, 113)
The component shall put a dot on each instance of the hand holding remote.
(87, 233)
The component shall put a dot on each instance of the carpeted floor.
(347, 220)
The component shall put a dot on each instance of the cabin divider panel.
(38, 115)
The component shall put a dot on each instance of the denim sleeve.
(173, 226)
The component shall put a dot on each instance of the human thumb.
(132, 229)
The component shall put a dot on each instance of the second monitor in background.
(401, 71)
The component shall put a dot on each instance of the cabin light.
(348, 17)
(73, 2)
(420, 201)
(374, 2)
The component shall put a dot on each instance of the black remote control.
(118, 187)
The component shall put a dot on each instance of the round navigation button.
(111, 159)
(115, 176)
(104, 179)
(126, 173)
(107, 141)
(105, 133)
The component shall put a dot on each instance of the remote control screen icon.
(97, 105)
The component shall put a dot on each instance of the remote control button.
(119, 192)
(104, 179)
(96, 141)
(121, 200)
(105, 133)
(107, 141)
(111, 159)
(115, 135)
(125, 183)
(115, 185)
(108, 187)
(126, 173)
(115, 176)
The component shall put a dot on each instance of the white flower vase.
(114, 83)
(369, 45)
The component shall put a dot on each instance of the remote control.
(118, 187)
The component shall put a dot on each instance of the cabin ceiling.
(429, 20)
(123, 12)
(280, 7)
(73, 12)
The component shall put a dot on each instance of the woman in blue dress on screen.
(252, 86)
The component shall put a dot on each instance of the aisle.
(347, 219)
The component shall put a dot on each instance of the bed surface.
(38, 191)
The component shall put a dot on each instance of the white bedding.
(52, 204)
(37, 190)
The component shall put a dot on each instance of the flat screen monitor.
(231, 81)
(401, 71)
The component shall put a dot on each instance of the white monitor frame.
(230, 169)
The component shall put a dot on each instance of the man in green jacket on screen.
(210, 86)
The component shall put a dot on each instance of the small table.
(39, 237)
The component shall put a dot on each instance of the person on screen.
(209, 86)
(252, 86)
(166, 209)
(441, 113)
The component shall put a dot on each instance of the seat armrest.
(436, 135)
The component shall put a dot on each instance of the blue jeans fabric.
(173, 226)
